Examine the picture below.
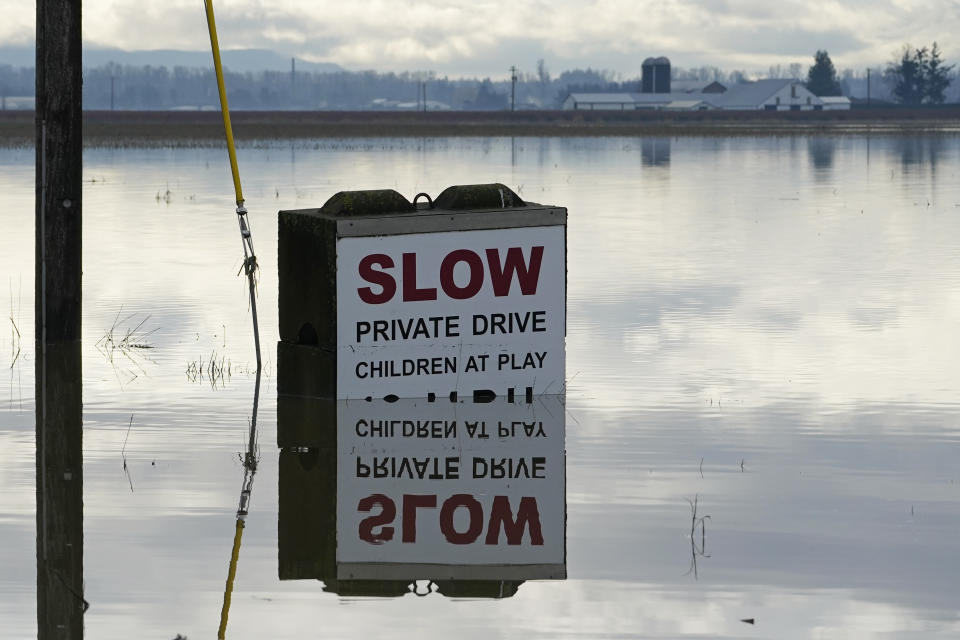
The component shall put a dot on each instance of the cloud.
(486, 37)
(788, 41)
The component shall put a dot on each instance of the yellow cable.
(224, 107)
(231, 574)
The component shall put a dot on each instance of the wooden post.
(59, 424)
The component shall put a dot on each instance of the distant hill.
(238, 60)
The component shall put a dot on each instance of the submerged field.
(761, 336)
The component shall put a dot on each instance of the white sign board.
(453, 311)
(450, 485)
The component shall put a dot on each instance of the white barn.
(601, 101)
(835, 103)
(761, 95)
(769, 95)
(634, 101)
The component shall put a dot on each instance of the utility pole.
(513, 88)
(59, 419)
(112, 79)
(423, 88)
(868, 85)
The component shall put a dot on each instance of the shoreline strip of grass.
(204, 128)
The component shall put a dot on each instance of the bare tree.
(543, 80)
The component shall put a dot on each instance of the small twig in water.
(15, 344)
(127, 437)
(15, 336)
(123, 453)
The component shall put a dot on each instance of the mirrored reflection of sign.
(450, 485)
(433, 313)
(467, 496)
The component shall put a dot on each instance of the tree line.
(125, 87)
(156, 87)
(918, 76)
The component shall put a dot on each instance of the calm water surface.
(768, 326)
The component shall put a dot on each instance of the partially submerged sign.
(465, 297)
(421, 377)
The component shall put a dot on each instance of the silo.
(661, 75)
(656, 75)
(646, 82)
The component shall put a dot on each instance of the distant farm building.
(17, 103)
(769, 95)
(634, 101)
(714, 87)
(760, 95)
(835, 103)
(386, 104)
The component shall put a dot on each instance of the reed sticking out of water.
(15, 344)
(15, 336)
(694, 549)
(123, 454)
(130, 343)
(133, 338)
(217, 370)
(166, 196)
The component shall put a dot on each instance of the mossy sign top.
(467, 296)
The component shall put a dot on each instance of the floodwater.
(765, 328)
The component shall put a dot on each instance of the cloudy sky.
(457, 37)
